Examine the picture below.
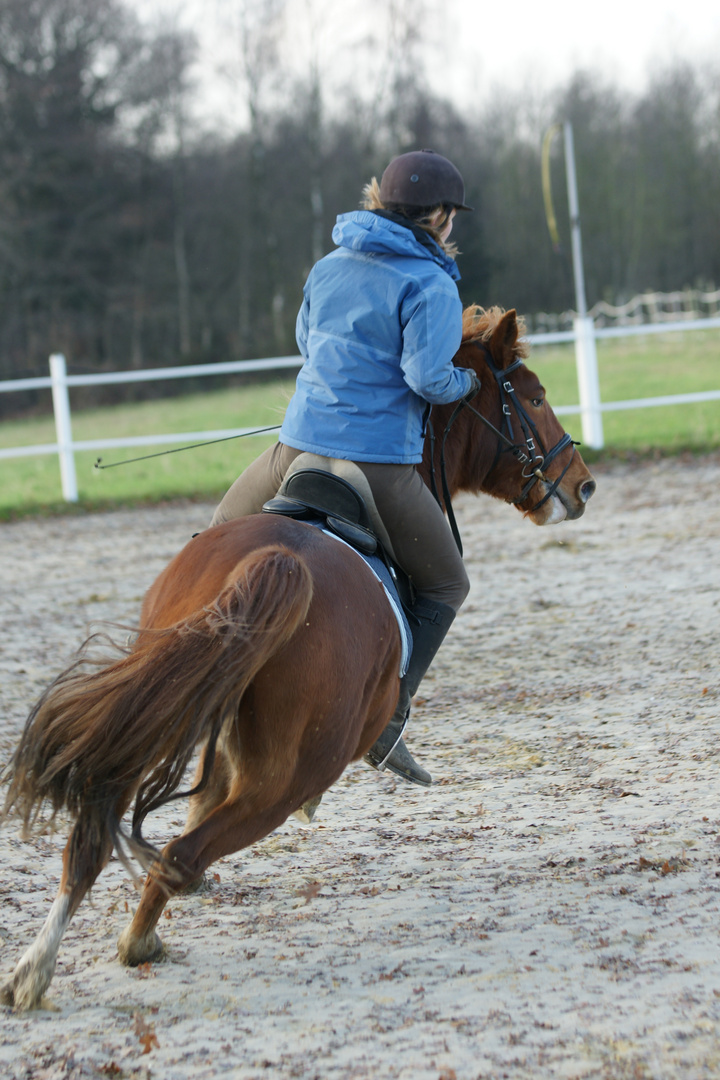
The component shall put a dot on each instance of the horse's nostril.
(587, 490)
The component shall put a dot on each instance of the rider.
(379, 325)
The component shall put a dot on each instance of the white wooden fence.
(60, 382)
(683, 305)
(590, 406)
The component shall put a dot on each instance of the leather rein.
(531, 453)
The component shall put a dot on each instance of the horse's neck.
(469, 450)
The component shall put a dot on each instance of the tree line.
(130, 237)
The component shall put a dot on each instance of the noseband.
(534, 462)
(531, 453)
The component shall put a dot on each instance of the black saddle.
(316, 493)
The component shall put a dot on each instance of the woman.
(380, 324)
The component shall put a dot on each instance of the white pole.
(588, 383)
(585, 350)
(61, 408)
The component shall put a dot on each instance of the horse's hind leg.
(83, 859)
(204, 802)
(230, 827)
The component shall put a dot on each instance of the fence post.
(63, 429)
(588, 383)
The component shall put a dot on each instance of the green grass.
(629, 368)
(655, 365)
(33, 483)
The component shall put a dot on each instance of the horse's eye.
(538, 401)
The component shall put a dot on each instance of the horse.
(272, 650)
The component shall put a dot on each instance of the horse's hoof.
(22, 995)
(306, 813)
(27, 987)
(135, 951)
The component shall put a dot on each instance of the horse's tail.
(99, 737)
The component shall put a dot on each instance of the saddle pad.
(381, 572)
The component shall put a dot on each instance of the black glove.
(475, 388)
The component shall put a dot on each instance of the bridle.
(531, 453)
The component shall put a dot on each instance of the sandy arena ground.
(548, 909)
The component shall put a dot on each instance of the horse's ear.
(504, 339)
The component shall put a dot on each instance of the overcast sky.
(548, 39)
(473, 46)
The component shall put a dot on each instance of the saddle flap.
(360, 538)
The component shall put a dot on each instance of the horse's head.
(509, 443)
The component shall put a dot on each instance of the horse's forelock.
(479, 324)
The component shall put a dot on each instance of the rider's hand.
(476, 384)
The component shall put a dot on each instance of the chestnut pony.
(271, 648)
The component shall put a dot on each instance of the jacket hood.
(364, 230)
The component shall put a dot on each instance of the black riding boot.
(431, 624)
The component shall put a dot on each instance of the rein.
(526, 453)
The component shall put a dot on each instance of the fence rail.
(590, 407)
(685, 305)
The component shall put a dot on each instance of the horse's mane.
(479, 324)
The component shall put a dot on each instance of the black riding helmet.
(422, 178)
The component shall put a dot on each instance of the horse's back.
(200, 570)
(347, 595)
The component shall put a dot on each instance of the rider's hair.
(419, 215)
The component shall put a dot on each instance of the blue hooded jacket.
(380, 323)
